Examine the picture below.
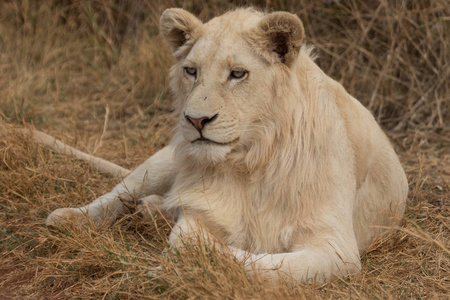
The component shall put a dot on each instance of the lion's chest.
(241, 215)
(260, 233)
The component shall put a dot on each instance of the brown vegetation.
(93, 73)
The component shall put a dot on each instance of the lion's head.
(227, 78)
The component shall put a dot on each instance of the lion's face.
(222, 82)
(224, 87)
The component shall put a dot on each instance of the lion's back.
(381, 187)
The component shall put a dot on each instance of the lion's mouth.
(204, 140)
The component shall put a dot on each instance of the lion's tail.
(56, 145)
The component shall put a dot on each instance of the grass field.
(93, 74)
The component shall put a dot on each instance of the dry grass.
(93, 74)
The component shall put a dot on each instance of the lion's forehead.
(225, 50)
(223, 37)
(234, 21)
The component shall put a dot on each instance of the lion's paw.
(63, 216)
(147, 207)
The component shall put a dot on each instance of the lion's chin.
(205, 151)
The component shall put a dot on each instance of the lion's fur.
(303, 172)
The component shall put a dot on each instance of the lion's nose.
(200, 122)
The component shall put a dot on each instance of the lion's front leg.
(321, 260)
(154, 177)
(187, 228)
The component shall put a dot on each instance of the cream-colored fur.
(270, 154)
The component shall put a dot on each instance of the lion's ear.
(278, 37)
(179, 26)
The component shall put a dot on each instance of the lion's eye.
(190, 71)
(238, 74)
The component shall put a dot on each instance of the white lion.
(270, 155)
